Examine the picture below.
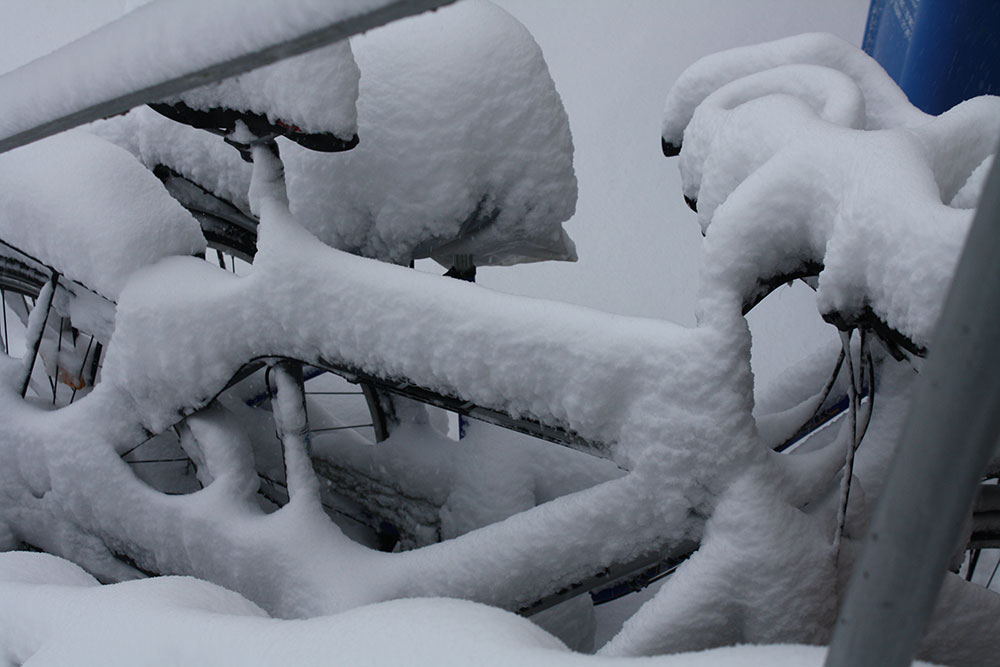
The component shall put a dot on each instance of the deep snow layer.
(52, 613)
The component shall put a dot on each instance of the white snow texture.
(803, 158)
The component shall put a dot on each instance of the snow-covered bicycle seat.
(465, 146)
(309, 98)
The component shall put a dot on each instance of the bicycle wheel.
(69, 357)
(66, 360)
(342, 408)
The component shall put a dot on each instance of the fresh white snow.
(797, 151)
(277, 91)
(56, 206)
(50, 615)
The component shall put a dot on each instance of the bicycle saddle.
(309, 99)
(454, 160)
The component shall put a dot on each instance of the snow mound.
(197, 155)
(26, 567)
(87, 208)
(170, 622)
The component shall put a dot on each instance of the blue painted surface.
(939, 51)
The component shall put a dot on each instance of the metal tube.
(292, 422)
(36, 329)
(949, 437)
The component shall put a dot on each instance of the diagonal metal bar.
(83, 368)
(36, 329)
(312, 37)
(341, 428)
(947, 441)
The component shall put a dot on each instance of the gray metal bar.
(314, 39)
(948, 439)
(43, 306)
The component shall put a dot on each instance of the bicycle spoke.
(137, 446)
(852, 441)
(55, 379)
(993, 574)
(973, 561)
(341, 428)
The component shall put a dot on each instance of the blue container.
(940, 52)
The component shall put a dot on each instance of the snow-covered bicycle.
(671, 408)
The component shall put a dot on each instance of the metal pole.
(949, 437)
(36, 329)
(463, 269)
